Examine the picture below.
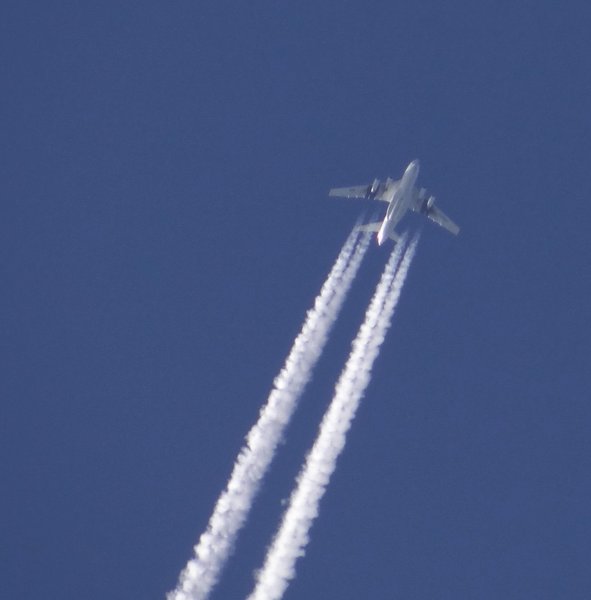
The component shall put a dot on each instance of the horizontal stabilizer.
(373, 227)
(394, 236)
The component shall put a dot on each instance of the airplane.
(401, 196)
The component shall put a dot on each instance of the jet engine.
(428, 204)
(373, 188)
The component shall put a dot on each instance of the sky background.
(165, 226)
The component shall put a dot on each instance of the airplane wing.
(438, 216)
(373, 191)
(425, 205)
(359, 191)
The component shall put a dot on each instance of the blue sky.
(165, 226)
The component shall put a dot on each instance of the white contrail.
(293, 535)
(217, 542)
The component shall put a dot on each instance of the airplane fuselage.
(400, 201)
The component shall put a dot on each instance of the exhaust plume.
(293, 535)
(231, 510)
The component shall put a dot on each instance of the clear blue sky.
(165, 225)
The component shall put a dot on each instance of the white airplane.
(401, 196)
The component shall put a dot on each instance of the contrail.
(293, 535)
(217, 542)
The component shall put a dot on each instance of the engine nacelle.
(373, 188)
(427, 204)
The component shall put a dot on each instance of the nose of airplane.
(413, 166)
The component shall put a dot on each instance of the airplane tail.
(395, 237)
(373, 227)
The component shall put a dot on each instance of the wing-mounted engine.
(428, 204)
(372, 189)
